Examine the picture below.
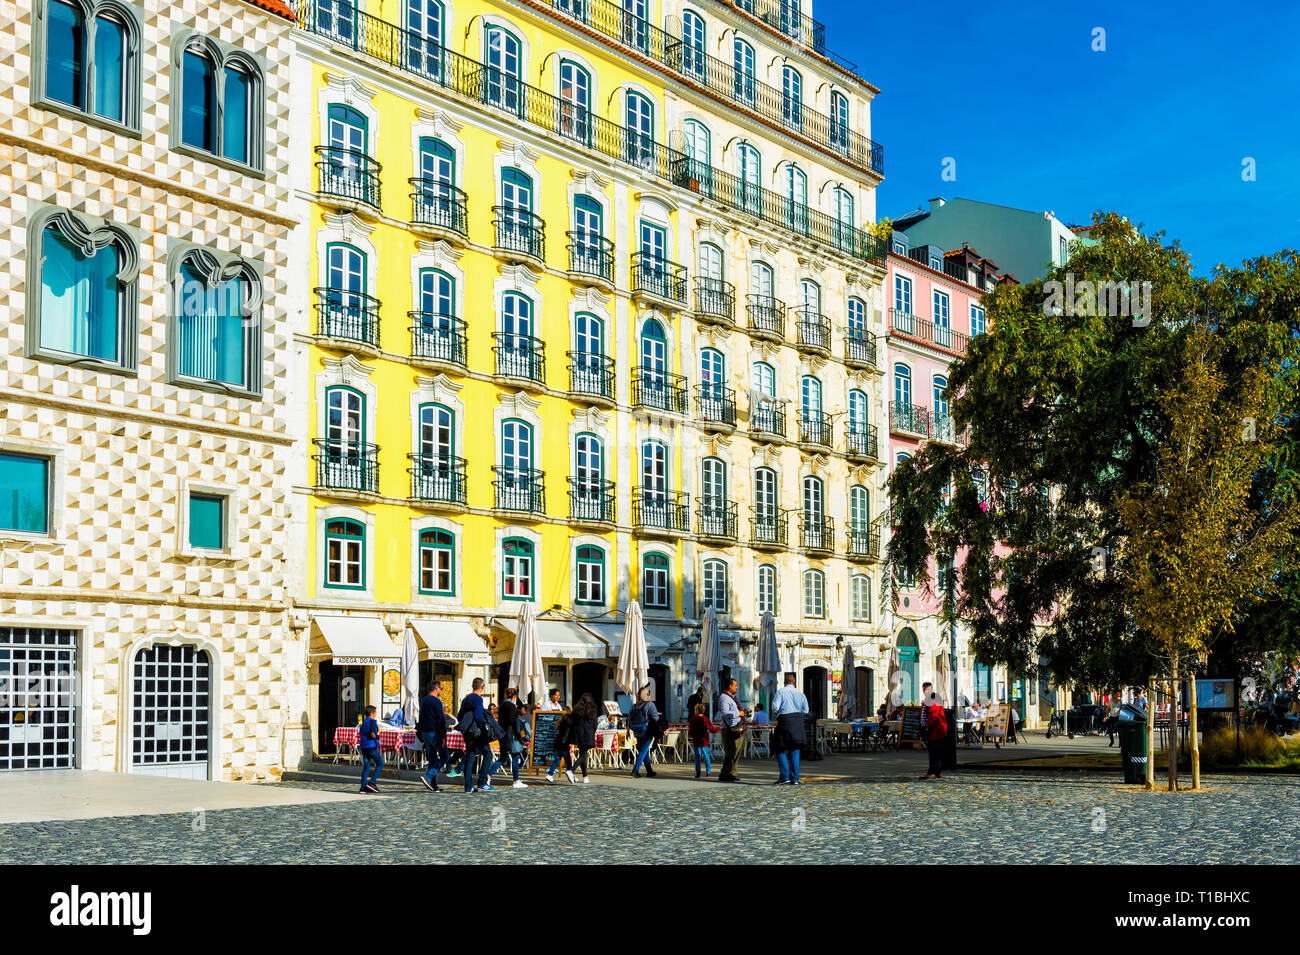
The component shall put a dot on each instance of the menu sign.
(995, 724)
(909, 727)
(541, 748)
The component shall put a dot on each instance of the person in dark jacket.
(563, 738)
(583, 731)
(642, 722)
(368, 743)
(472, 720)
(432, 729)
(509, 717)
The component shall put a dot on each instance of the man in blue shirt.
(733, 727)
(470, 720)
(789, 707)
(432, 729)
(368, 743)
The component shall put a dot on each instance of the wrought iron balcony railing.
(346, 466)
(440, 204)
(767, 418)
(817, 533)
(903, 321)
(591, 254)
(715, 300)
(864, 542)
(347, 315)
(591, 374)
(814, 331)
(942, 335)
(436, 337)
(348, 174)
(861, 441)
(909, 418)
(766, 315)
(591, 501)
(437, 478)
(520, 356)
(519, 489)
(715, 517)
(655, 275)
(655, 389)
(716, 404)
(815, 428)
(661, 510)
(768, 529)
(860, 348)
(519, 231)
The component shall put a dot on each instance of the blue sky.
(1156, 127)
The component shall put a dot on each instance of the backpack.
(468, 727)
(638, 721)
(492, 731)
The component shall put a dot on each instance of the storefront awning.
(658, 640)
(352, 640)
(450, 640)
(562, 639)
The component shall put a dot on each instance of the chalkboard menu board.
(541, 748)
(909, 727)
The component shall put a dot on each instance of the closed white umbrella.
(848, 684)
(710, 659)
(410, 678)
(768, 663)
(526, 671)
(895, 680)
(633, 659)
(943, 679)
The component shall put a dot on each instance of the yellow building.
(548, 246)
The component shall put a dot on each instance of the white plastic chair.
(758, 743)
(670, 745)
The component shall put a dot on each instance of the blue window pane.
(110, 67)
(211, 327)
(235, 133)
(198, 102)
(207, 521)
(65, 55)
(24, 490)
(79, 299)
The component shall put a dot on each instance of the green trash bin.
(1133, 751)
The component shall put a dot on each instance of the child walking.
(701, 728)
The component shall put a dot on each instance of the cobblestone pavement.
(968, 817)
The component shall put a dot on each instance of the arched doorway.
(909, 666)
(589, 677)
(171, 712)
(814, 687)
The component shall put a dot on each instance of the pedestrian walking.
(562, 752)
(471, 720)
(936, 736)
(642, 721)
(431, 728)
(701, 730)
(789, 708)
(582, 731)
(1112, 720)
(733, 728)
(370, 755)
(510, 716)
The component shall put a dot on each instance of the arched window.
(517, 351)
(516, 447)
(654, 581)
(516, 569)
(654, 471)
(698, 153)
(710, 264)
(761, 281)
(810, 296)
(713, 487)
(639, 122)
(221, 103)
(902, 386)
(636, 29)
(591, 576)
(857, 319)
(654, 352)
(766, 508)
(437, 436)
(345, 422)
(766, 589)
(814, 593)
(839, 122)
(575, 101)
(588, 461)
(437, 563)
(436, 181)
(810, 397)
(764, 379)
(588, 217)
(791, 97)
(796, 194)
(743, 62)
(424, 19)
(860, 597)
(845, 229)
(516, 190)
(858, 411)
(345, 311)
(859, 508)
(693, 44)
(715, 589)
(940, 395)
(345, 555)
(437, 296)
(92, 60)
(502, 84)
(713, 373)
(749, 169)
(217, 333)
(814, 500)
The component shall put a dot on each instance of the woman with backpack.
(582, 731)
(563, 737)
(643, 721)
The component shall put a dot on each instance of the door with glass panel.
(764, 410)
(693, 44)
(171, 712)
(653, 264)
(766, 511)
(796, 193)
(345, 314)
(346, 135)
(713, 498)
(713, 377)
(436, 319)
(516, 211)
(424, 37)
(814, 513)
(698, 167)
(640, 127)
(858, 414)
(516, 353)
(942, 320)
(515, 482)
(575, 101)
(749, 173)
(588, 356)
(636, 31)
(810, 410)
(654, 484)
(588, 232)
(588, 476)
(713, 297)
(654, 364)
(743, 71)
(436, 186)
(345, 436)
(502, 86)
(436, 455)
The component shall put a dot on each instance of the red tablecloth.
(390, 740)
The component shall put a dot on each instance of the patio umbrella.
(526, 671)
(410, 679)
(895, 680)
(633, 659)
(768, 662)
(710, 658)
(943, 678)
(848, 684)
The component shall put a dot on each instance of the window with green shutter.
(207, 521)
(25, 493)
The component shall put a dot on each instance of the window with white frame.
(591, 576)
(860, 597)
(715, 585)
(766, 591)
(814, 594)
(654, 581)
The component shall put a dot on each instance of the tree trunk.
(1151, 733)
(1173, 723)
(1191, 730)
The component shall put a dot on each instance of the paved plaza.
(878, 815)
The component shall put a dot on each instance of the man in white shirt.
(789, 707)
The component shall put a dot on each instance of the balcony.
(863, 543)
(591, 502)
(663, 513)
(519, 490)
(437, 341)
(767, 420)
(591, 259)
(817, 534)
(768, 531)
(437, 481)
(766, 317)
(813, 331)
(520, 235)
(861, 442)
(815, 431)
(591, 377)
(715, 302)
(658, 279)
(902, 321)
(348, 178)
(944, 428)
(655, 389)
(344, 466)
(439, 210)
(716, 407)
(860, 349)
(348, 317)
(520, 357)
(907, 418)
(715, 519)
(943, 336)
